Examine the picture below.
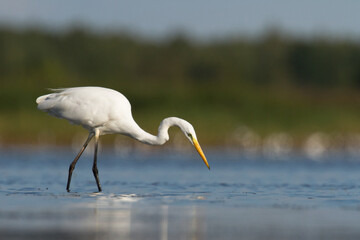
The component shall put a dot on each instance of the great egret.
(106, 111)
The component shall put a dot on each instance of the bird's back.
(90, 107)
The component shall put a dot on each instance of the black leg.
(72, 165)
(95, 169)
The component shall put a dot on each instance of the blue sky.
(204, 19)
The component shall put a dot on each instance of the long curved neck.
(163, 135)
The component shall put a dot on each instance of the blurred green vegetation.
(275, 83)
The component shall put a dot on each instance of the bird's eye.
(189, 135)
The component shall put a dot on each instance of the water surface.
(173, 196)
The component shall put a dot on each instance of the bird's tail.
(41, 99)
(47, 101)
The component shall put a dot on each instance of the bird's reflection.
(164, 226)
(127, 216)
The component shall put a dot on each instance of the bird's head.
(190, 134)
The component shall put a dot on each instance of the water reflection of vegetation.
(275, 84)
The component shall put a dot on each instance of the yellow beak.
(198, 148)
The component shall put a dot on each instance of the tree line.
(237, 79)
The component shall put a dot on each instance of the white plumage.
(91, 107)
(106, 111)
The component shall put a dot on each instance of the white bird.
(105, 111)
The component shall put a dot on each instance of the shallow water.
(173, 196)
